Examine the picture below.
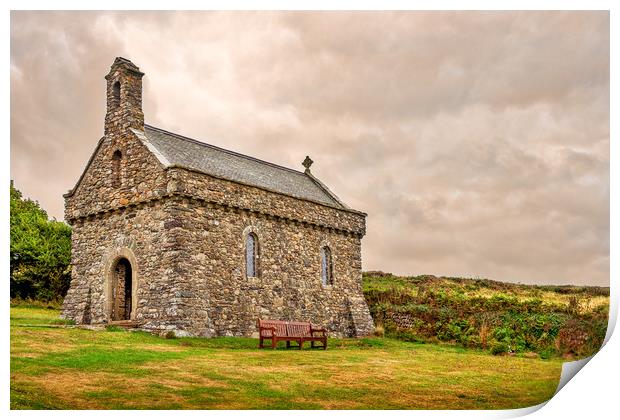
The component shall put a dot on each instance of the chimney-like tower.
(124, 98)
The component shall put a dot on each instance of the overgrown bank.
(500, 317)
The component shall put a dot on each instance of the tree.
(40, 251)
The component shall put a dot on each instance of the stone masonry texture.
(182, 235)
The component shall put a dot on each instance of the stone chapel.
(172, 234)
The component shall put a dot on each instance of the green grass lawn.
(73, 368)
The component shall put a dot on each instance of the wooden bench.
(288, 331)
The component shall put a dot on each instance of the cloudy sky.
(477, 142)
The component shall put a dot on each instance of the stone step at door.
(125, 324)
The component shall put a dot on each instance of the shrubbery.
(40, 252)
(499, 317)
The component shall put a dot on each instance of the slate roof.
(176, 150)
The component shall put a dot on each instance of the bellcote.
(124, 98)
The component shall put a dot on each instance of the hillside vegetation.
(502, 318)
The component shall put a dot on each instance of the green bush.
(499, 348)
(546, 354)
(40, 254)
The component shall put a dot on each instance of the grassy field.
(57, 367)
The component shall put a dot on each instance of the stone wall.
(143, 236)
(142, 178)
(194, 184)
(124, 98)
(288, 285)
(188, 264)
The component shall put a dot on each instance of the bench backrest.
(280, 326)
(298, 329)
(285, 328)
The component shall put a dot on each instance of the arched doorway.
(121, 290)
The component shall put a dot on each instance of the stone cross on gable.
(307, 163)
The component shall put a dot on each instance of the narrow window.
(251, 255)
(116, 169)
(326, 266)
(116, 94)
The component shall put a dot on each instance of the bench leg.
(260, 343)
(273, 342)
(288, 344)
(301, 344)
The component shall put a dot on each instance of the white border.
(593, 394)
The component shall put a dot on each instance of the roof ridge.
(182, 137)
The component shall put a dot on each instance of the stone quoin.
(172, 234)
